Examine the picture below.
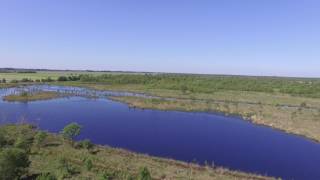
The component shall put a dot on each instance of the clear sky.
(252, 37)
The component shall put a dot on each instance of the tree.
(144, 174)
(13, 163)
(40, 137)
(70, 131)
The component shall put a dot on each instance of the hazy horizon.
(270, 38)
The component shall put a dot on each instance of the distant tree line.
(45, 80)
(210, 84)
(201, 83)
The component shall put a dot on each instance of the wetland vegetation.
(288, 104)
(27, 96)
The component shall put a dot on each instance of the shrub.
(23, 142)
(65, 169)
(48, 79)
(26, 80)
(144, 174)
(14, 81)
(184, 89)
(3, 140)
(62, 78)
(74, 78)
(13, 163)
(86, 144)
(46, 176)
(303, 105)
(107, 176)
(40, 137)
(88, 164)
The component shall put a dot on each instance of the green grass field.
(9, 76)
(42, 75)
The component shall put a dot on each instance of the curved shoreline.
(200, 106)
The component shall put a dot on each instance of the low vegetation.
(296, 119)
(27, 153)
(26, 96)
(289, 104)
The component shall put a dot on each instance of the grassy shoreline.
(263, 117)
(292, 114)
(26, 97)
(119, 163)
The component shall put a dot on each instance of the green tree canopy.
(70, 131)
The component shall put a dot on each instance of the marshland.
(159, 90)
(180, 117)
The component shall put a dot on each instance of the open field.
(42, 75)
(55, 156)
(38, 75)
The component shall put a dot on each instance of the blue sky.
(252, 37)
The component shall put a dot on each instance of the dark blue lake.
(223, 140)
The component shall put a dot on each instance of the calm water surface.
(223, 140)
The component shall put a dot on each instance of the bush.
(26, 80)
(48, 79)
(23, 142)
(40, 137)
(88, 164)
(86, 144)
(144, 174)
(107, 176)
(46, 176)
(65, 169)
(3, 140)
(74, 78)
(13, 163)
(303, 105)
(14, 81)
(62, 78)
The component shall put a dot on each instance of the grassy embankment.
(25, 96)
(64, 160)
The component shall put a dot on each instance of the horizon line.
(151, 72)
